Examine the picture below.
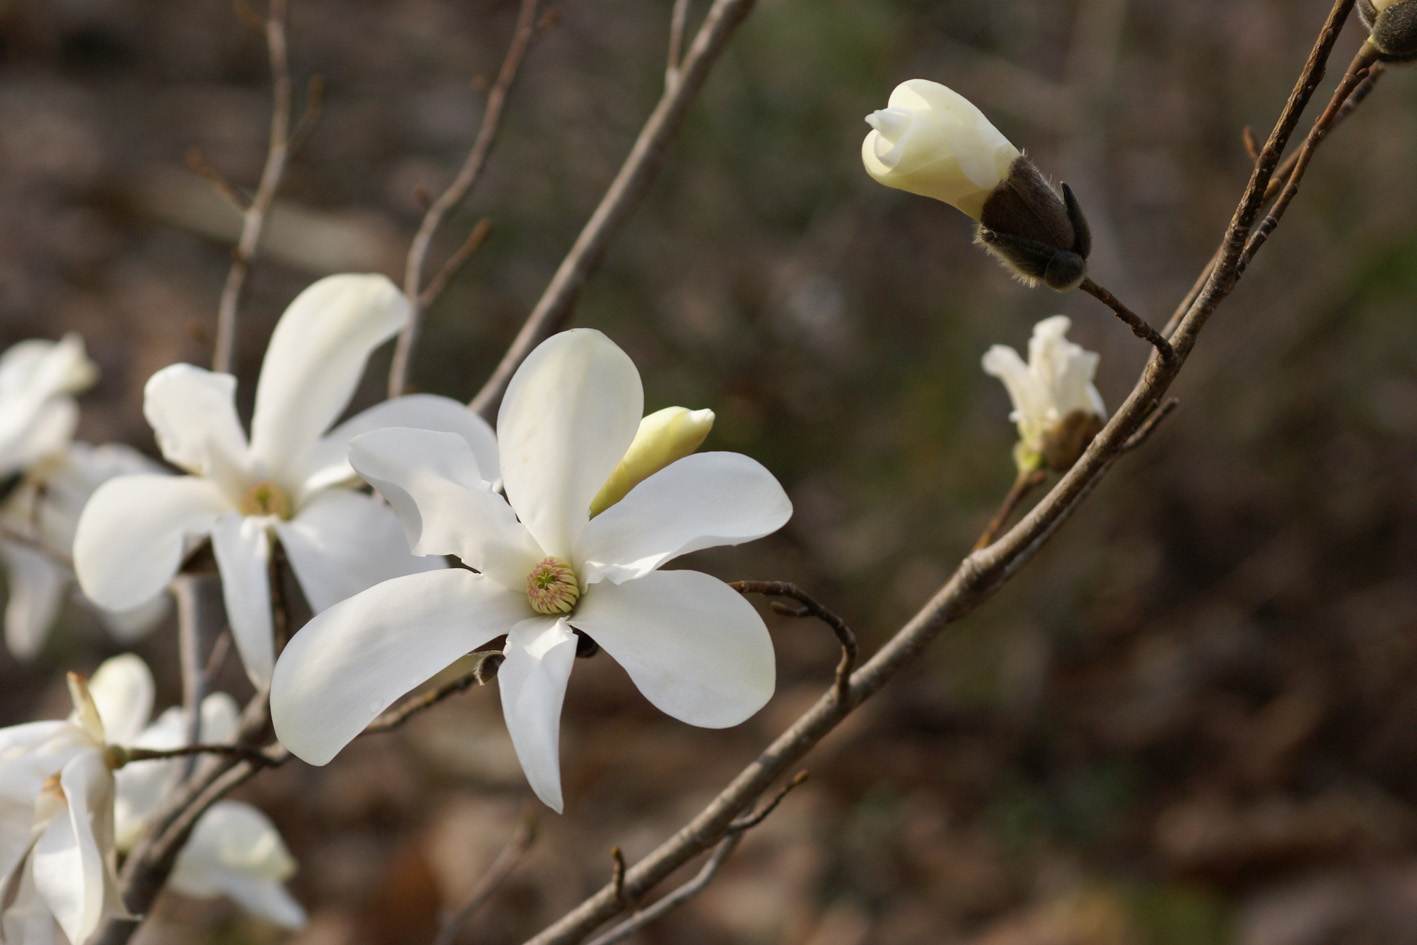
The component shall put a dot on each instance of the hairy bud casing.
(1034, 231)
(1392, 28)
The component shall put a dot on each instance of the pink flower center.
(552, 588)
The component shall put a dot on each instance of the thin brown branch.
(256, 756)
(401, 713)
(455, 262)
(256, 213)
(1139, 326)
(641, 166)
(677, 21)
(980, 574)
(187, 592)
(1025, 483)
(752, 820)
(523, 34)
(199, 164)
(617, 876)
(314, 108)
(1149, 426)
(809, 606)
(502, 867)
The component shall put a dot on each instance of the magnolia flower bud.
(1392, 25)
(932, 141)
(1056, 407)
(663, 437)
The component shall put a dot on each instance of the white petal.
(435, 484)
(352, 661)
(1004, 363)
(236, 851)
(692, 645)
(122, 688)
(69, 870)
(47, 429)
(701, 501)
(26, 920)
(243, 552)
(133, 531)
(342, 542)
(130, 626)
(36, 585)
(327, 463)
(314, 361)
(569, 414)
(540, 652)
(193, 413)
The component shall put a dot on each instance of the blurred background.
(1191, 719)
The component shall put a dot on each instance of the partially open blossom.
(931, 141)
(546, 570)
(290, 483)
(1392, 25)
(43, 507)
(234, 850)
(663, 436)
(1056, 406)
(56, 807)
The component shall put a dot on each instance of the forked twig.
(1139, 326)
(811, 607)
(523, 34)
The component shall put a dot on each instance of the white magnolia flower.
(37, 412)
(290, 483)
(234, 850)
(1056, 406)
(56, 807)
(692, 645)
(932, 141)
(44, 507)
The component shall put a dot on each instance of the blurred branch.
(677, 23)
(1026, 482)
(641, 167)
(523, 34)
(501, 868)
(254, 217)
(982, 573)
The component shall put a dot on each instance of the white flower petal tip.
(932, 141)
(1055, 404)
(532, 682)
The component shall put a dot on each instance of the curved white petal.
(235, 851)
(122, 688)
(327, 463)
(44, 431)
(352, 661)
(36, 589)
(243, 552)
(540, 652)
(26, 919)
(133, 531)
(342, 542)
(314, 361)
(193, 413)
(569, 414)
(68, 860)
(692, 645)
(1004, 363)
(435, 485)
(701, 501)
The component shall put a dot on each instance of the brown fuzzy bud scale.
(1392, 28)
(1034, 231)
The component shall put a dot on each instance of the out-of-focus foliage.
(1188, 721)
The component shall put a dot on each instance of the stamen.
(552, 587)
(266, 498)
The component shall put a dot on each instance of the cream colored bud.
(663, 437)
(932, 141)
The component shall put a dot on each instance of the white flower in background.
(56, 807)
(1056, 406)
(932, 141)
(44, 508)
(37, 410)
(234, 850)
(290, 483)
(692, 645)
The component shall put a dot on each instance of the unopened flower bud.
(663, 437)
(1392, 27)
(932, 141)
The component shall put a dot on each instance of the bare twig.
(455, 262)
(187, 592)
(677, 21)
(617, 875)
(983, 572)
(641, 167)
(254, 217)
(810, 607)
(401, 713)
(199, 164)
(256, 756)
(752, 820)
(1025, 483)
(522, 35)
(1139, 326)
(492, 880)
(1149, 425)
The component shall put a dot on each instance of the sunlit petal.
(540, 652)
(193, 414)
(690, 643)
(69, 871)
(122, 688)
(243, 552)
(235, 851)
(568, 416)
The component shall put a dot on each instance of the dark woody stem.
(1026, 482)
(1135, 322)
